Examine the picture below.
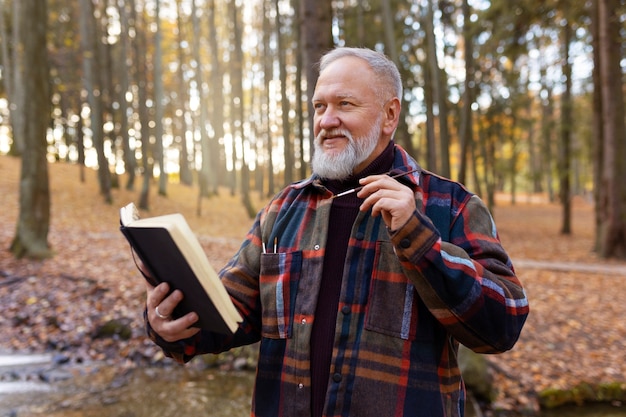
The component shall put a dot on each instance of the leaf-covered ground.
(575, 331)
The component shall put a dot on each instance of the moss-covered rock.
(476, 374)
(583, 393)
(114, 328)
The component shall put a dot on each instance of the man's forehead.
(344, 85)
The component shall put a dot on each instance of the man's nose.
(329, 119)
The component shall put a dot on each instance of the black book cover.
(160, 255)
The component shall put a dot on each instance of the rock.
(476, 374)
(114, 328)
(60, 359)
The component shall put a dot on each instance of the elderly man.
(362, 305)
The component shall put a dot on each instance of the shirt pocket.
(280, 275)
(394, 307)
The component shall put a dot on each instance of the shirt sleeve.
(468, 283)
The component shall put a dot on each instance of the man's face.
(348, 119)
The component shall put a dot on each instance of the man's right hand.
(160, 306)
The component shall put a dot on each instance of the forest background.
(500, 95)
(518, 98)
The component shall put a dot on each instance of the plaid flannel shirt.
(408, 298)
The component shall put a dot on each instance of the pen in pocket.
(275, 246)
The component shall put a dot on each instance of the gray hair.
(384, 68)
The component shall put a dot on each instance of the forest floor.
(574, 334)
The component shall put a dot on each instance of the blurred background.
(203, 107)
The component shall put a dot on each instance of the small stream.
(43, 389)
(34, 385)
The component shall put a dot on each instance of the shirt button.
(316, 247)
(359, 236)
(346, 310)
(300, 385)
(303, 321)
(337, 377)
(405, 243)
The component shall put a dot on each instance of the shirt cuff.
(415, 238)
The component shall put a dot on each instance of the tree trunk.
(534, 155)
(598, 131)
(612, 207)
(239, 103)
(80, 145)
(103, 78)
(205, 177)
(547, 129)
(268, 74)
(282, 74)
(18, 118)
(130, 161)
(91, 68)
(402, 136)
(316, 27)
(217, 100)
(298, 80)
(439, 92)
(486, 133)
(31, 238)
(466, 130)
(431, 137)
(8, 67)
(566, 129)
(7, 73)
(141, 73)
(512, 165)
(157, 66)
(186, 176)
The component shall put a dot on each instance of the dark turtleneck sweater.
(343, 213)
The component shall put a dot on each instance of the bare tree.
(610, 131)
(282, 73)
(439, 91)
(467, 128)
(268, 74)
(13, 75)
(182, 100)
(402, 136)
(141, 77)
(91, 68)
(130, 162)
(236, 80)
(217, 99)
(157, 66)
(206, 179)
(316, 25)
(566, 135)
(300, 114)
(31, 238)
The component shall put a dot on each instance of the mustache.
(333, 132)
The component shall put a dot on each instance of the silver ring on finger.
(159, 315)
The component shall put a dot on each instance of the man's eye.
(344, 103)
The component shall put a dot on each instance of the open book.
(171, 252)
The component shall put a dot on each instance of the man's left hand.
(389, 198)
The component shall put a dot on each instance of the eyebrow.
(339, 96)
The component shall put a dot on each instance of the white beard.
(340, 166)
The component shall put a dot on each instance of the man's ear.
(391, 116)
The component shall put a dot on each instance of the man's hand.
(389, 198)
(162, 323)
